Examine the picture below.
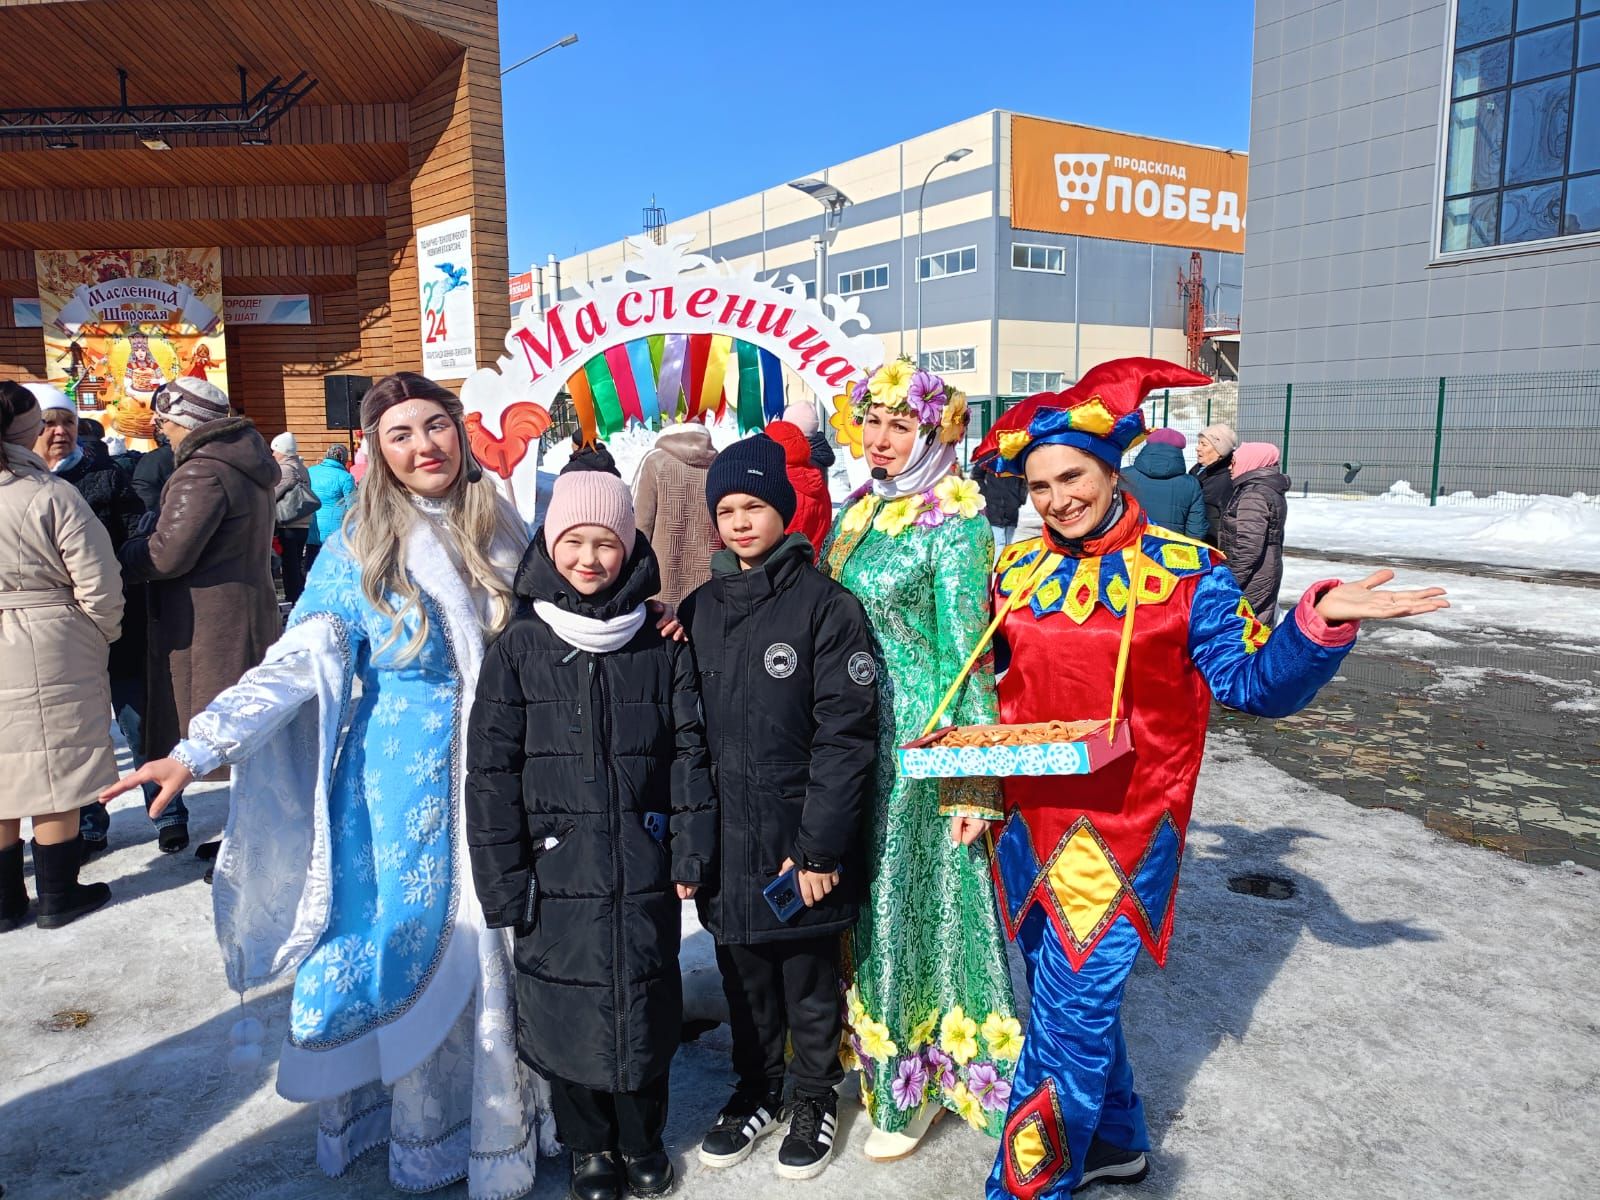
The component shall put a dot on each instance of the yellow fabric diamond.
(1180, 557)
(1155, 583)
(1028, 1148)
(1049, 594)
(1084, 590)
(1117, 594)
(1092, 416)
(1084, 882)
(1015, 578)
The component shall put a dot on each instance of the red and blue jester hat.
(1100, 414)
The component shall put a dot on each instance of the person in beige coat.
(60, 610)
(669, 503)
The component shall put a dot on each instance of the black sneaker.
(744, 1120)
(809, 1143)
(1106, 1163)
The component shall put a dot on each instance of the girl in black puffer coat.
(590, 816)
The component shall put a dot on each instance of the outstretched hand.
(1366, 600)
(170, 775)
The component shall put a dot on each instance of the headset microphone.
(474, 471)
(879, 473)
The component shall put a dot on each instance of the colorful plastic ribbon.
(608, 409)
(670, 378)
(623, 376)
(695, 381)
(583, 402)
(771, 386)
(711, 394)
(750, 414)
(644, 379)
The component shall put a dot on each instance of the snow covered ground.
(1524, 531)
(1417, 1020)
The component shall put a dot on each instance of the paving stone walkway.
(1490, 740)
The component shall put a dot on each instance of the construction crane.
(1192, 295)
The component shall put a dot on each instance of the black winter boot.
(596, 1177)
(62, 899)
(649, 1174)
(13, 891)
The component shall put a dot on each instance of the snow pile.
(1554, 532)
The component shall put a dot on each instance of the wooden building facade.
(402, 130)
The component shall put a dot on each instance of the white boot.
(883, 1146)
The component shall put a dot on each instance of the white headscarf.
(930, 462)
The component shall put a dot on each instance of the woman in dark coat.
(590, 815)
(1252, 526)
(213, 611)
(1214, 448)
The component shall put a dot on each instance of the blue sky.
(700, 103)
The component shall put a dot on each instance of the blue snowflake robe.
(345, 863)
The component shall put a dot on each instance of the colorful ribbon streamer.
(711, 395)
(695, 382)
(771, 386)
(583, 402)
(750, 415)
(644, 380)
(622, 375)
(670, 378)
(608, 409)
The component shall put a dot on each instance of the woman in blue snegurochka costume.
(346, 865)
(930, 1013)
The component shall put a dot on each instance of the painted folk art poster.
(118, 324)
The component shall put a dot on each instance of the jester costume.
(1087, 865)
(929, 1007)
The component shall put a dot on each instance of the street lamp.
(833, 202)
(566, 41)
(953, 156)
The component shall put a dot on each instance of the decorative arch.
(670, 334)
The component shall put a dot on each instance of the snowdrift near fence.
(1555, 532)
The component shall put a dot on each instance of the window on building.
(811, 289)
(868, 279)
(1026, 383)
(1522, 160)
(950, 362)
(948, 262)
(1028, 257)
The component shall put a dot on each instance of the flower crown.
(901, 388)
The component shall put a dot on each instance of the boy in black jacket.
(789, 684)
(590, 818)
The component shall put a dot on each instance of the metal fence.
(1495, 440)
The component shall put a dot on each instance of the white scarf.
(933, 465)
(589, 633)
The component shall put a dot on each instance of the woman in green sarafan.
(930, 1010)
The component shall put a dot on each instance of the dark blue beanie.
(753, 466)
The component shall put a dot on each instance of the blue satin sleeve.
(1245, 668)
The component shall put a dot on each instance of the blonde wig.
(475, 516)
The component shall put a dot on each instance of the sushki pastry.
(1037, 733)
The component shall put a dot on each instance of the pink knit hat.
(590, 498)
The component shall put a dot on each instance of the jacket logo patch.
(780, 660)
(862, 668)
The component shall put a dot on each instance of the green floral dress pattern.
(930, 1013)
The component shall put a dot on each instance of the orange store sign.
(1073, 179)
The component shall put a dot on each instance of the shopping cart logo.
(1078, 179)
